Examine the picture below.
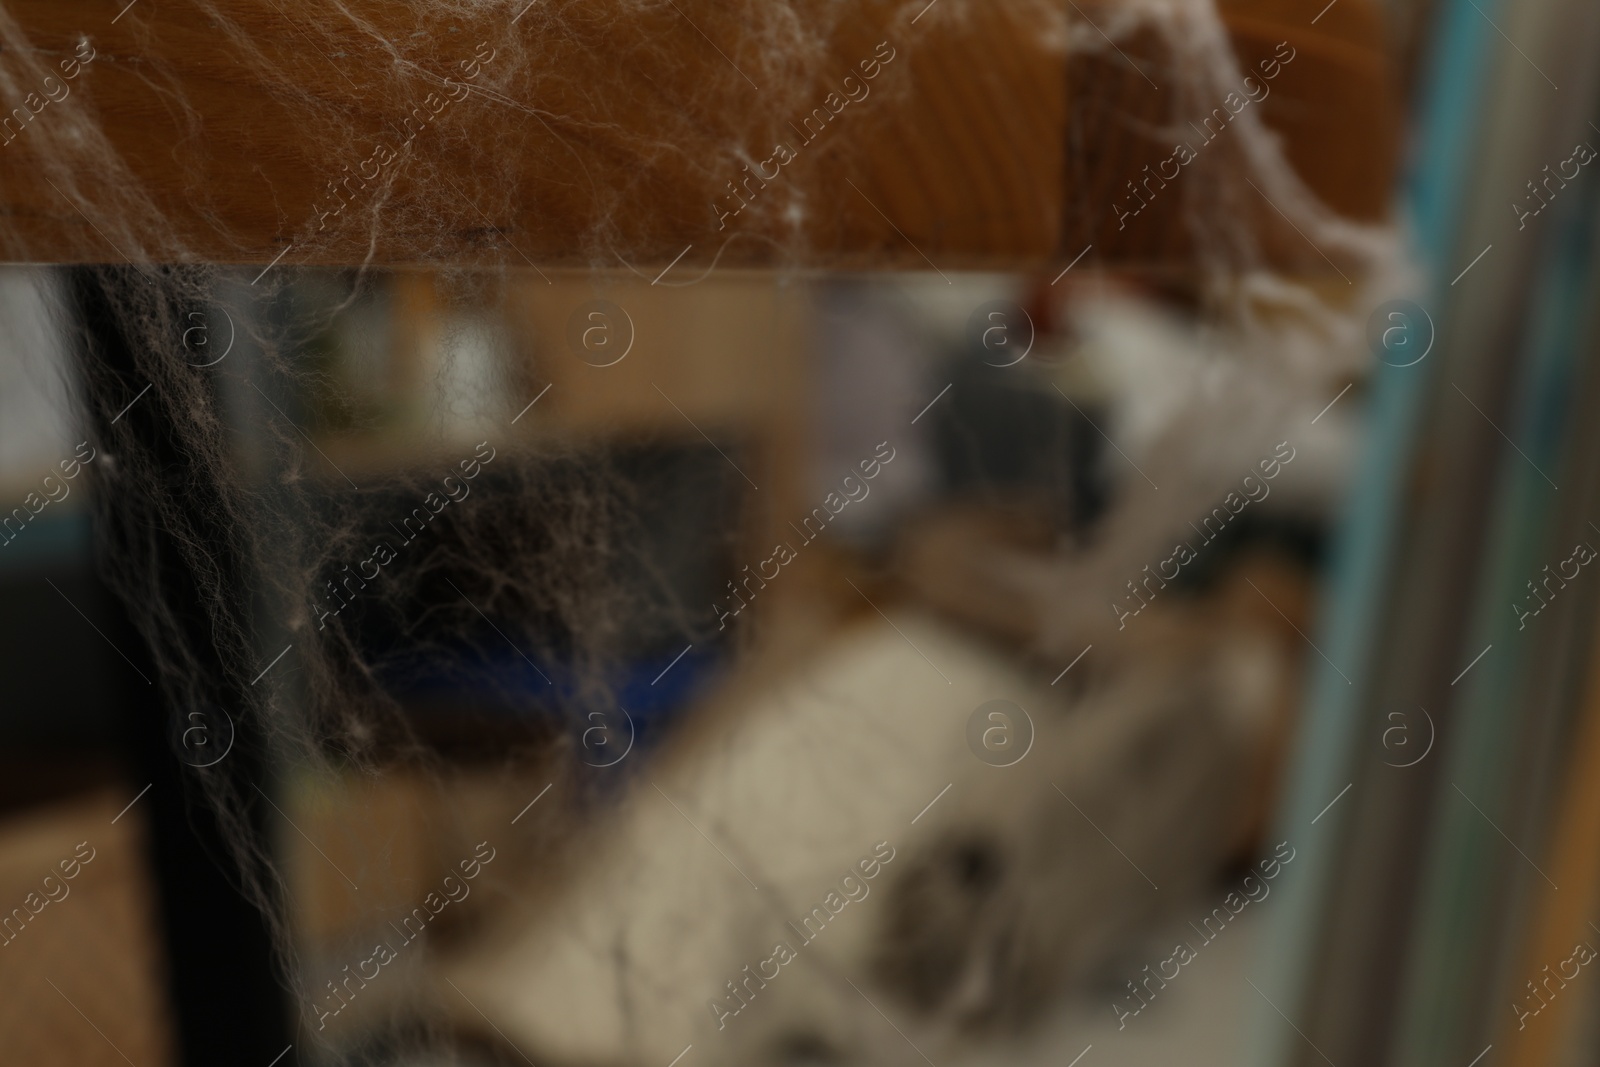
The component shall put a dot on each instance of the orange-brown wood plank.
(580, 133)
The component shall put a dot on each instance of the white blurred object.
(1000, 892)
(35, 412)
(1162, 371)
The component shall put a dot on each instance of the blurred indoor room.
(663, 533)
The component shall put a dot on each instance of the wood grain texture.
(1332, 105)
(1559, 920)
(579, 134)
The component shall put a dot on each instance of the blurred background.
(1133, 661)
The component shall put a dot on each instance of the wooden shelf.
(598, 137)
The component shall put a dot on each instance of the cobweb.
(263, 594)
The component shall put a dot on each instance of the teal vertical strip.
(1470, 866)
(1447, 133)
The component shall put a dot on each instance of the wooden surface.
(606, 133)
(97, 942)
(1559, 918)
(1333, 104)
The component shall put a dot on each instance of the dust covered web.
(221, 524)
